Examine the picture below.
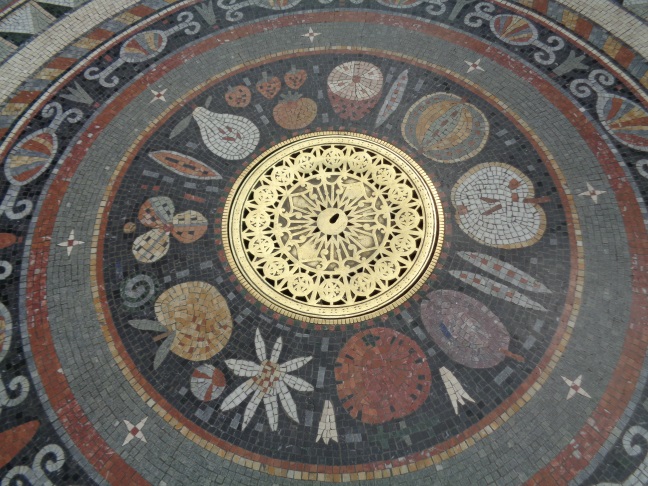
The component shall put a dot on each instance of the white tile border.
(32, 56)
(616, 20)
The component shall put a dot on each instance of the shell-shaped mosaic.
(625, 120)
(143, 46)
(31, 157)
(514, 29)
(445, 128)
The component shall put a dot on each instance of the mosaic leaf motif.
(5, 331)
(496, 289)
(370, 388)
(15, 439)
(393, 98)
(158, 213)
(354, 88)
(327, 430)
(458, 396)
(505, 271)
(228, 136)
(496, 205)
(8, 239)
(445, 128)
(467, 331)
(268, 381)
(184, 165)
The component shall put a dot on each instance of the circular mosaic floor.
(267, 242)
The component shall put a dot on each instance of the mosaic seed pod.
(465, 329)
(194, 321)
(294, 112)
(354, 88)
(370, 387)
(445, 128)
(207, 383)
(231, 137)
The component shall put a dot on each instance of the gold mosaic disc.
(333, 227)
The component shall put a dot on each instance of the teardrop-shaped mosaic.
(228, 136)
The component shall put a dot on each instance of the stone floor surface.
(258, 242)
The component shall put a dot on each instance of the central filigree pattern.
(335, 222)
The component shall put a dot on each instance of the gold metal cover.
(333, 227)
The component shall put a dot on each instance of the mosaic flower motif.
(157, 213)
(267, 380)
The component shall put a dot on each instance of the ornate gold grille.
(333, 227)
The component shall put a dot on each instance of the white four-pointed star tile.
(591, 192)
(575, 387)
(311, 34)
(70, 243)
(135, 431)
(474, 65)
(158, 95)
